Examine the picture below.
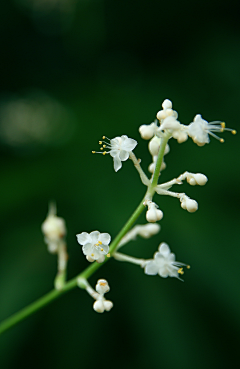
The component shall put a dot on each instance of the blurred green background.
(72, 71)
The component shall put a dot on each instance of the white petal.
(105, 238)
(103, 249)
(124, 155)
(87, 249)
(129, 144)
(117, 163)
(114, 153)
(151, 268)
(94, 236)
(163, 273)
(164, 249)
(84, 238)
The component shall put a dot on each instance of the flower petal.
(114, 153)
(151, 268)
(84, 238)
(164, 249)
(103, 249)
(117, 163)
(105, 238)
(124, 155)
(129, 144)
(87, 249)
(94, 236)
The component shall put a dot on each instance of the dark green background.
(88, 68)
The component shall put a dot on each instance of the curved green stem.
(51, 296)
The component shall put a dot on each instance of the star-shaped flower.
(95, 244)
(164, 263)
(119, 148)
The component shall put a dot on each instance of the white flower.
(120, 148)
(199, 130)
(95, 244)
(102, 286)
(54, 229)
(164, 263)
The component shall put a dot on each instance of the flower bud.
(107, 305)
(98, 306)
(167, 104)
(100, 259)
(90, 259)
(102, 286)
(149, 230)
(154, 146)
(54, 227)
(190, 205)
(153, 214)
(196, 179)
(147, 131)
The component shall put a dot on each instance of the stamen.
(101, 148)
(104, 153)
(102, 283)
(108, 255)
(92, 254)
(93, 152)
(221, 140)
(234, 131)
(188, 267)
(103, 137)
(100, 142)
(104, 146)
(180, 271)
(101, 249)
(99, 242)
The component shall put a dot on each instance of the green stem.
(51, 296)
(163, 144)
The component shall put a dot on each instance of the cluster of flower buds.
(199, 130)
(153, 214)
(101, 304)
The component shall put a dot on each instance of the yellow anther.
(223, 125)
(104, 146)
(101, 148)
(101, 249)
(100, 142)
(108, 255)
(99, 242)
(93, 152)
(92, 254)
(102, 283)
(103, 137)
(188, 267)
(234, 131)
(104, 152)
(180, 271)
(221, 140)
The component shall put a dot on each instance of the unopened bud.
(102, 286)
(153, 214)
(107, 305)
(98, 306)
(147, 131)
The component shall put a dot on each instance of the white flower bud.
(149, 230)
(196, 179)
(154, 146)
(90, 259)
(161, 115)
(54, 227)
(188, 204)
(153, 214)
(102, 286)
(170, 123)
(147, 131)
(100, 259)
(180, 136)
(98, 306)
(107, 305)
(167, 149)
(167, 104)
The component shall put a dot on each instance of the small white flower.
(102, 286)
(164, 263)
(119, 149)
(199, 130)
(95, 244)
(54, 229)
